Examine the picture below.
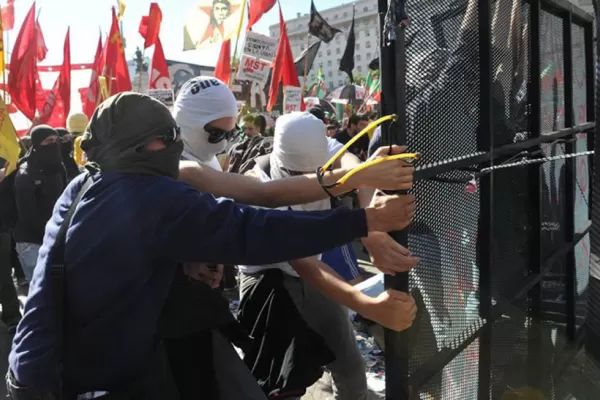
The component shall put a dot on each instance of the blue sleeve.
(376, 141)
(202, 228)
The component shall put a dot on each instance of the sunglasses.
(171, 136)
(216, 135)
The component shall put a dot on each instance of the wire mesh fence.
(503, 286)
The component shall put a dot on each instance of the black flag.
(307, 58)
(347, 60)
(319, 27)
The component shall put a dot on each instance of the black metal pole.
(486, 228)
(393, 101)
(569, 222)
(535, 191)
(591, 87)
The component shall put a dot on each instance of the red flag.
(115, 65)
(150, 25)
(159, 72)
(58, 102)
(284, 70)
(89, 101)
(42, 50)
(8, 16)
(23, 73)
(41, 94)
(257, 9)
(223, 67)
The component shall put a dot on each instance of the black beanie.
(39, 133)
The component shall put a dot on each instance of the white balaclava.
(300, 145)
(201, 100)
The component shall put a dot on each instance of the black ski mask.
(120, 128)
(44, 156)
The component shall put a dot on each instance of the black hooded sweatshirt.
(38, 184)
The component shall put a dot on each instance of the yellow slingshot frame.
(407, 157)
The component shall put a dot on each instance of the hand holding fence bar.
(387, 255)
(392, 309)
(383, 171)
(390, 213)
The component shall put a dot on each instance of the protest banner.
(260, 46)
(165, 96)
(292, 97)
(257, 56)
(253, 69)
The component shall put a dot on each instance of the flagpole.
(237, 38)
(6, 53)
(306, 63)
(142, 71)
(4, 69)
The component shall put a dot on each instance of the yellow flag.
(9, 144)
(122, 7)
(2, 65)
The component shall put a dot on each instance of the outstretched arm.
(392, 309)
(392, 175)
(247, 190)
(197, 227)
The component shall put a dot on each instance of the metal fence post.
(393, 101)
(571, 295)
(535, 185)
(486, 200)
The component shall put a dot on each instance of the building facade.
(367, 40)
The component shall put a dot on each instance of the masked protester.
(39, 182)
(66, 151)
(208, 125)
(130, 225)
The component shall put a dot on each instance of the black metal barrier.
(498, 97)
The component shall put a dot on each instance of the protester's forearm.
(364, 197)
(247, 190)
(324, 279)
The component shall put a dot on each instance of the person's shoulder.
(342, 136)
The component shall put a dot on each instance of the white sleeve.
(333, 146)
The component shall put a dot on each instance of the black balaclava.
(120, 128)
(45, 157)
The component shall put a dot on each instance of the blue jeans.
(28, 255)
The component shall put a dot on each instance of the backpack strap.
(58, 279)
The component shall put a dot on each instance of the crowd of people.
(125, 256)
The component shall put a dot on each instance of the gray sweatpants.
(331, 321)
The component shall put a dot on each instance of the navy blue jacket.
(124, 240)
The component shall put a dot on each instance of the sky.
(87, 17)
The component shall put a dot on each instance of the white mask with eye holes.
(200, 101)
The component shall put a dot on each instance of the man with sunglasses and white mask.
(206, 126)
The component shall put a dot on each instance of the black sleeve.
(27, 204)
